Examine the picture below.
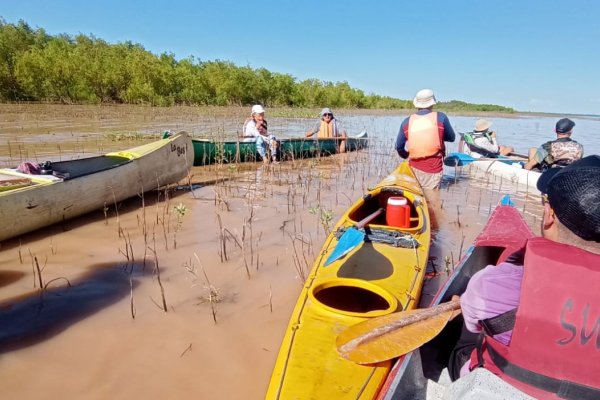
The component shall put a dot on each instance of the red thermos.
(398, 212)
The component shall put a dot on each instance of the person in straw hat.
(482, 141)
(421, 139)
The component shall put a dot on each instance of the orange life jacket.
(423, 136)
(328, 130)
(554, 351)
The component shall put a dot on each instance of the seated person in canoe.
(255, 128)
(329, 127)
(556, 153)
(483, 142)
(534, 320)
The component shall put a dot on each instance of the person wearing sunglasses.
(255, 129)
(329, 127)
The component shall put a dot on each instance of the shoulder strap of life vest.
(469, 138)
(555, 344)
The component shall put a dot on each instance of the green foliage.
(455, 105)
(84, 69)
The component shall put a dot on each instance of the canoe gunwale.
(209, 151)
(505, 232)
(54, 200)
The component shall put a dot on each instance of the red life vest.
(423, 136)
(554, 351)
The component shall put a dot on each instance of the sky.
(539, 56)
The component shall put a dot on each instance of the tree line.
(36, 66)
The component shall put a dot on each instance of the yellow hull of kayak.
(373, 279)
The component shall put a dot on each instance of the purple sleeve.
(490, 292)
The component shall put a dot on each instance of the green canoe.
(209, 152)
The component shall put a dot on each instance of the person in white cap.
(255, 128)
(483, 142)
(328, 127)
(421, 139)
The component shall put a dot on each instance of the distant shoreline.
(273, 112)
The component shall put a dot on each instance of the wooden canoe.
(83, 185)
(209, 151)
(423, 369)
(382, 275)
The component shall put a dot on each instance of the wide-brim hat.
(574, 195)
(424, 99)
(482, 125)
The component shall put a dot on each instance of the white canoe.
(524, 180)
(80, 186)
(507, 172)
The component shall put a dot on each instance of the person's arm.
(449, 135)
(485, 144)
(250, 130)
(401, 140)
(342, 131)
(315, 129)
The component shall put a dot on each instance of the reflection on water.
(8, 277)
(42, 314)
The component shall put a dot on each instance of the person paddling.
(533, 320)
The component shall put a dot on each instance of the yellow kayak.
(381, 274)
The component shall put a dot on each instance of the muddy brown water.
(228, 301)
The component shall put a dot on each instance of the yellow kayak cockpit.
(354, 297)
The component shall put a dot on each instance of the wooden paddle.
(390, 336)
(351, 238)
(518, 155)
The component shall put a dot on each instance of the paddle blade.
(349, 240)
(393, 335)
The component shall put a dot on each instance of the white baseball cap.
(257, 109)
